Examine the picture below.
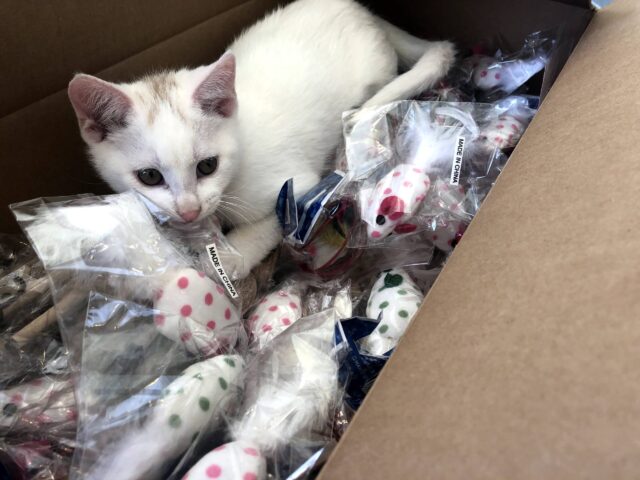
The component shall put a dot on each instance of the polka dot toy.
(447, 234)
(389, 206)
(233, 461)
(39, 403)
(503, 132)
(491, 73)
(274, 314)
(394, 300)
(194, 310)
(192, 402)
(291, 385)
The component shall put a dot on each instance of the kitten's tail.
(428, 63)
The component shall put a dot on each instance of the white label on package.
(457, 161)
(212, 251)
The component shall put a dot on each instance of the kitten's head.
(170, 136)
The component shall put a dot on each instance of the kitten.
(225, 137)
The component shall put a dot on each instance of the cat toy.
(196, 311)
(193, 403)
(491, 73)
(45, 402)
(290, 388)
(394, 300)
(395, 200)
(275, 312)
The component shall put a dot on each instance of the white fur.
(297, 70)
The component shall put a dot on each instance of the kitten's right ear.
(101, 107)
(216, 95)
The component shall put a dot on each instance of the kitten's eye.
(207, 166)
(150, 177)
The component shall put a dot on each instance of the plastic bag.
(286, 418)
(318, 225)
(494, 77)
(151, 433)
(427, 166)
(111, 245)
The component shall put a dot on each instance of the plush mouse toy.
(396, 198)
(193, 402)
(275, 312)
(394, 300)
(491, 73)
(290, 388)
(193, 309)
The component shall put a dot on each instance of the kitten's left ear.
(216, 94)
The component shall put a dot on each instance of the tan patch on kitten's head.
(159, 89)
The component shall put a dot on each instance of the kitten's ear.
(101, 107)
(216, 95)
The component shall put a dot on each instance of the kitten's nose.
(190, 215)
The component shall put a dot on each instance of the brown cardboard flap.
(42, 153)
(523, 363)
(44, 43)
(468, 22)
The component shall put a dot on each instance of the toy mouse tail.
(427, 62)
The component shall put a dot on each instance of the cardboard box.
(523, 360)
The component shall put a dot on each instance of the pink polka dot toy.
(506, 76)
(45, 402)
(503, 132)
(191, 404)
(274, 313)
(395, 199)
(238, 460)
(196, 311)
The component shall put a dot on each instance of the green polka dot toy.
(394, 300)
(192, 403)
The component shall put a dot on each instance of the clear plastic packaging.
(150, 434)
(276, 312)
(151, 336)
(33, 460)
(24, 288)
(287, 413)
(427, 166)
(394, 301)
(111, 245)
(495, 77)
(318, 226)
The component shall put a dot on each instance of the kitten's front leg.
(254, 242)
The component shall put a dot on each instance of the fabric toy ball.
(194, 401)
(274, 314)
(238, 460)
(394, 300)
(394, 200)
(503, 132)
(195, 310)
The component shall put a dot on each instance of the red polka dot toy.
(194, 310)
(238, 460)
(394, 200)
(503, 132)
(491, 73)
(276, 312)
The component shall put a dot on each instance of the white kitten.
(227, 136)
